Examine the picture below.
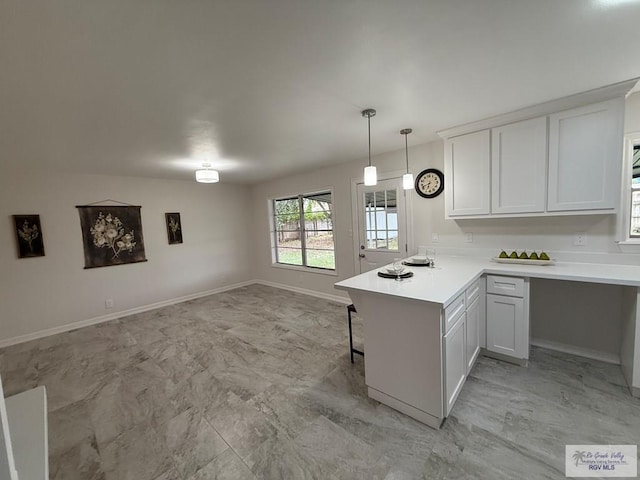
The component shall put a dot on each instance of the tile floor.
(257, 383)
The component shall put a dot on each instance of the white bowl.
(391, 271)
(419, 259)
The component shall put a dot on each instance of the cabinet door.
(506, 326)
(585, 157)
(518, 167)
(472, 333)
(466, 174)
(455, 363)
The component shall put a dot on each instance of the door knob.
(362, 255)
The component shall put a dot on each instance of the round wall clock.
(430, 183)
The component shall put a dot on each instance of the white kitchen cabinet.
(472, 333)
(508, 316)
(455, 362)
(585, 157)
(466, 174)
(505, 325)
(518, 167)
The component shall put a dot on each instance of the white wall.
(46, 292)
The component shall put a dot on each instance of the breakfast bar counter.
(418, 332)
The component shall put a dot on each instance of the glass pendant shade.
(370, 175)
(407, 181)
(207, 176)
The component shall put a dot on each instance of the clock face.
(430, 183)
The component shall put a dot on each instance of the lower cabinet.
(472, 333)
(455, 347)
(508, 316)
(504, 325)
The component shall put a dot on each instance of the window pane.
(635, 214)
(317, 222)
(381, 243)
(321, 258)
(320, 240)
(287, 222)
(287, 213)
(290, 256)
(393, 240)
(368, 199)
(288, 239)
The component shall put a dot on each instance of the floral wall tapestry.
(174, 228)
(111, 235)
(29, 236)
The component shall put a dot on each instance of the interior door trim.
(354, 216)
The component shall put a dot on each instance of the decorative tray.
(522, 261)
(393, 275)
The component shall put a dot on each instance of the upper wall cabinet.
(466, 163)
(518, 167)
(585, 157)
(562, 157)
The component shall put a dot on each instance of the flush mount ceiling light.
(407, 178)
(207, 175)
(370, 173)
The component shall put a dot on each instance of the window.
(303, 231)
(634, 231)
(381, 220)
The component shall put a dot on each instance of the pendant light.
(207, 175)
(407, 178)
(370, 173)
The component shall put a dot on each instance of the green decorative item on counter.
(533, 256)
(524, 256)
(514, 254)
(544, 256)
(503, 254)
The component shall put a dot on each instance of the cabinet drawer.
(472, 292)
(509, 286)
(453, 312)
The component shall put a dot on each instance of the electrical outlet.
(435, 238)
(580, 239)
(108, 303)
(469, 237)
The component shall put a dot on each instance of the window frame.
(303, 240)
(626, 242)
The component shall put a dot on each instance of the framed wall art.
(174, 228)
(29, 236)
(111, 235)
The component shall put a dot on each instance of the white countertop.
(455, 273)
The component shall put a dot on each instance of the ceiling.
(264, 88)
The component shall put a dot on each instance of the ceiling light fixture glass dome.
(207, 175)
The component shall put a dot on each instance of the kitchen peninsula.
(423, 334)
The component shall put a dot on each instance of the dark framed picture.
(174, 228)
(111, 235)
(29, 236)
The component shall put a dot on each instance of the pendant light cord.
(369, 124)
(406, 151)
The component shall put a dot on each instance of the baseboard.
(579, 351)
(304, 291)
(112, 316)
